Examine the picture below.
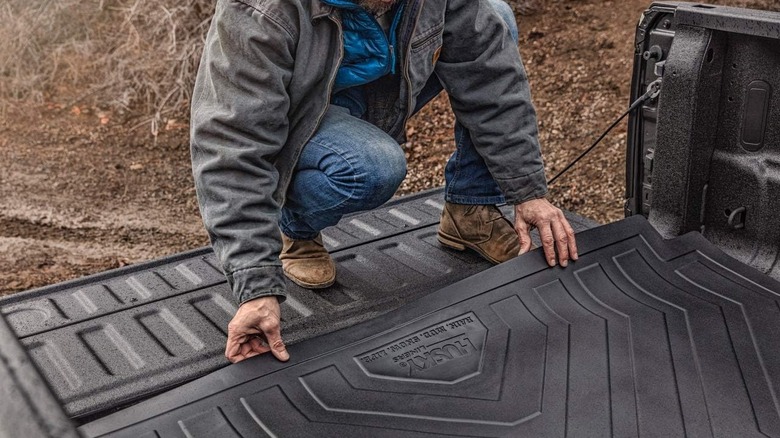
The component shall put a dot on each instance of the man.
(298, 111)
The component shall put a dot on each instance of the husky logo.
(445, 351)
(441, 354)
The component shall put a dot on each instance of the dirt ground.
(81, 193)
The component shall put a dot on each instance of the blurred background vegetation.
(136, 58)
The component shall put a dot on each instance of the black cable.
(651, 92)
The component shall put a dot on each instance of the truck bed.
(641, 336)
(109, 340)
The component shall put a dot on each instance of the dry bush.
(35, 36)
(137, 57)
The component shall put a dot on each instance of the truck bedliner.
(108, 340)
(641, 336)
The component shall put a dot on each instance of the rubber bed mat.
(106, 341)
(641, 336)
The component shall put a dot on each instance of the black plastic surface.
(709, 146)
(757, 23)
(639, 337)
(108, 340)
(27, 406)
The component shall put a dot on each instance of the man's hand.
(255, 330)
(554, 230)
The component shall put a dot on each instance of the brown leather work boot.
(482, 228)
(307, 263)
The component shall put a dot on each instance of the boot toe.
(307, 263)
(482, 228)
(311, 273)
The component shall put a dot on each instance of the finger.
(274, 338)
(548, 242)
(572, 240)
(250, 347)
(257, 344)
(233, 348)
(236, 354)
(561, 243)
(523, 235)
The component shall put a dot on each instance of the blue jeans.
(350, 165)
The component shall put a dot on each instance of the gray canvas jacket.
(264, 84)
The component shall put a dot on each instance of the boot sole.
(305, 285)
(461, 245)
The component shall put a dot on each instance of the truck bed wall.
(705, 156)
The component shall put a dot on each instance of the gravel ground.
(80, 193)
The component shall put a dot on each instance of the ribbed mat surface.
(640, 337)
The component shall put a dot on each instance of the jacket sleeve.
(481, 69)
(238, 123)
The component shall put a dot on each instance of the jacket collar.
(319, 9)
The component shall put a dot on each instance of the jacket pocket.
(428, 38)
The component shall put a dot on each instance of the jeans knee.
(384, 173)
(507, 14)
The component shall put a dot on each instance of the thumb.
(278, 348)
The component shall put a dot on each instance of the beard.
(377, 6)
